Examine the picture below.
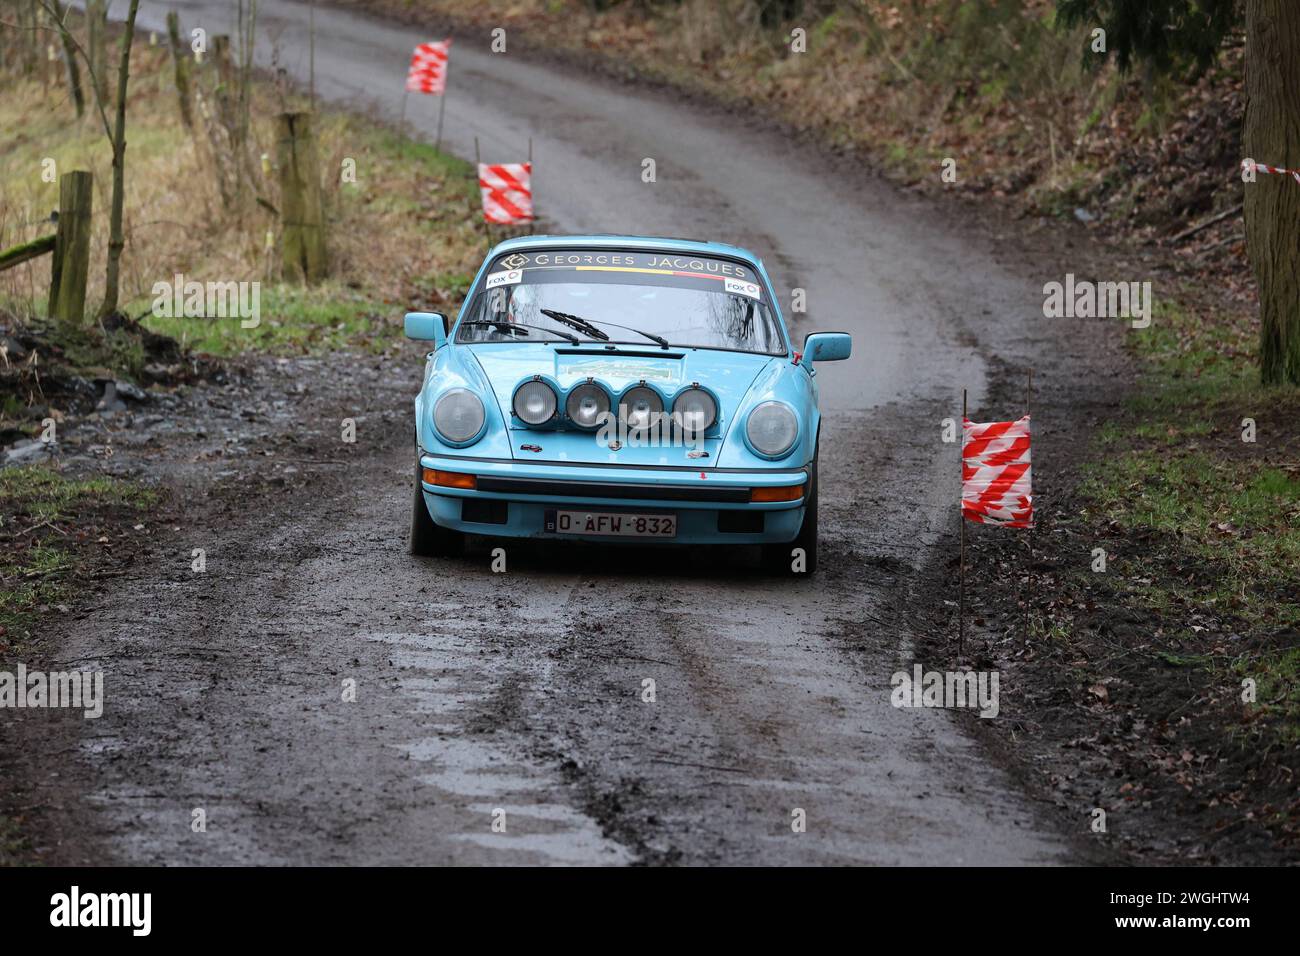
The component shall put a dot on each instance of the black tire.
(779, 558)
(428, 539)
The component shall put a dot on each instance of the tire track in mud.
(766, 702)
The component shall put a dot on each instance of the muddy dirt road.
(521, 692)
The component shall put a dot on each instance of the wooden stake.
(442, 108)
(71, 263)
(302, 235)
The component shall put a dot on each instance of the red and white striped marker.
(996, 483)
(1250, 166)
(428, 72)
(507, 192)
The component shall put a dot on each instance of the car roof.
(611, 241)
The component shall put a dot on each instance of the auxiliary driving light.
(639, 408)
(535, 402)
(587, 405)
(694, 410)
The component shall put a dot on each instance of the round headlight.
(586, 405)
(694, 410)
(639, 408)
(458, 415)
(535, 402)
(772, 429)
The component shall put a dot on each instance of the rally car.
(619, 389)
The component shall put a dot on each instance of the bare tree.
(115, 239)
(116, 134)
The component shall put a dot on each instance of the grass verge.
(1161, 684)
(49, 525)
(1205, 471)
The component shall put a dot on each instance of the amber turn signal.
(449, 479)
(781, 493)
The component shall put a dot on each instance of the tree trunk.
(70, 59)
(1272, 136)
(181, 63)
(115, 239)
(30, 50)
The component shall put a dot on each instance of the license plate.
(611, 524)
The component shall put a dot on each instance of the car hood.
(728, 375)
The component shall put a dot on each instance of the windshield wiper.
(575, 322)
(522, 328)
(595, 332)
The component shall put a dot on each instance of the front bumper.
(511, 499)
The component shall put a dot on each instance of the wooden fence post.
(302, 241)
(71, 249)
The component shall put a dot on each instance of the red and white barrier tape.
(428, 71)
(996, 482)
(1250, 166)
(507, 192)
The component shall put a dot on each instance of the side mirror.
(427, 327)
(827, 346)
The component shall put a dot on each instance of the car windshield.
(639, 298)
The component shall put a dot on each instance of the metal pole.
(405, 96)
(531, 222)
(961, 587)
(1029, 537)
(478, 161)
(442, 108)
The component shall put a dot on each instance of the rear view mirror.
(427, 327)
(827, 346)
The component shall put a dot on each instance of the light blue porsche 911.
(612, 388)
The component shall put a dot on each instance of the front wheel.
(799, 556)
(428, 539)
